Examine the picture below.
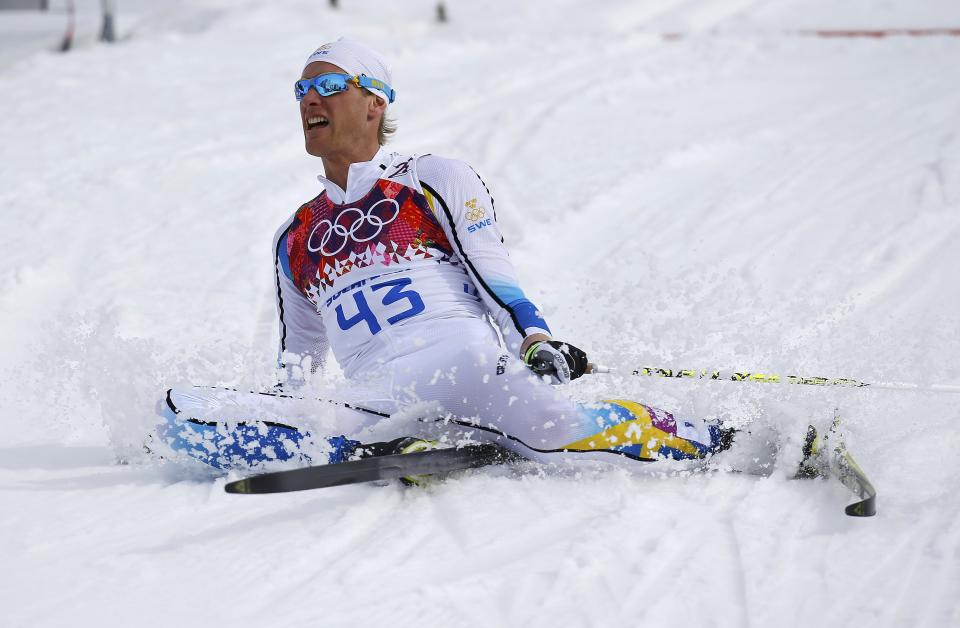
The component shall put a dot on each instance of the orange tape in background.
(894, 32)
(869, 34)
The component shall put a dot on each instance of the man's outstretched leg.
(227, 429)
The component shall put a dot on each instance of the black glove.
(560, 361)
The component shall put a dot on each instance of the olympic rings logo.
(365, 226)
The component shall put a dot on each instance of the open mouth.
(316, 121)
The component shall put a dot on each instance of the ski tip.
(865, 508)
(240, 486)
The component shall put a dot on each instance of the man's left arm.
(465, 209)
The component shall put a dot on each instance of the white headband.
(355, 58)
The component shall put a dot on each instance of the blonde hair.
(386, 129)
(387, 126)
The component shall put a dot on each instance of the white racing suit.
(397, 275)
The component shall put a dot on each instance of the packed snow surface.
(738, 195)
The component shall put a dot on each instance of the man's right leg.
(228, 429)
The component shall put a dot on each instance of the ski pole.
(769, 378)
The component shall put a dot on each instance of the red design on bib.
(392, 224)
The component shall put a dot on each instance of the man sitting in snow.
(397, 266)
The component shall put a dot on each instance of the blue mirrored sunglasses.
(335, 82)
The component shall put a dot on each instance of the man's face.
(336, 125)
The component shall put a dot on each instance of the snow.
(741, 197)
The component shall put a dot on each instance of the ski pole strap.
(770, 378)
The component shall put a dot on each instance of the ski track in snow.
(738, 197)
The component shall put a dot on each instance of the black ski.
(852, 476)
(826, 456)
(370, 469)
